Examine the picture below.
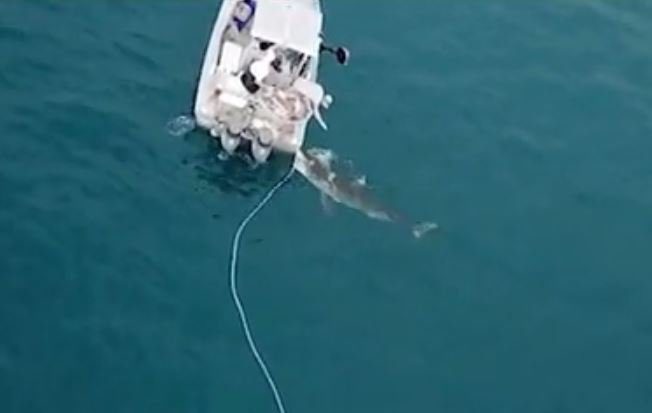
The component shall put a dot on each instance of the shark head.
(319, 167)
(324, 156)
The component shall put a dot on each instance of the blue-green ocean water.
(524, 128)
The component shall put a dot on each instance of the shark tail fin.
(422, 229)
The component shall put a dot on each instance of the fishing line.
(234, 287)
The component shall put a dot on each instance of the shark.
(316, 165)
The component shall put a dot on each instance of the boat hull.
(205, 119)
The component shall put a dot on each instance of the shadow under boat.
(236, 174)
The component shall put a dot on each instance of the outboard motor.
(229, 141)
(261, 147)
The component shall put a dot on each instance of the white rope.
(236, 297)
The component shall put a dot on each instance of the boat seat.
(226, 80)
(230, 58)
(315, 93)
(232, 92)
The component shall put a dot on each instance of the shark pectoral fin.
(361, 181)
(327, 204)
(424, 228)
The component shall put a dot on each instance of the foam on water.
(181, 125)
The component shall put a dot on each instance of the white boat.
(258, 82)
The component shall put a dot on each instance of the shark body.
(316, 166)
